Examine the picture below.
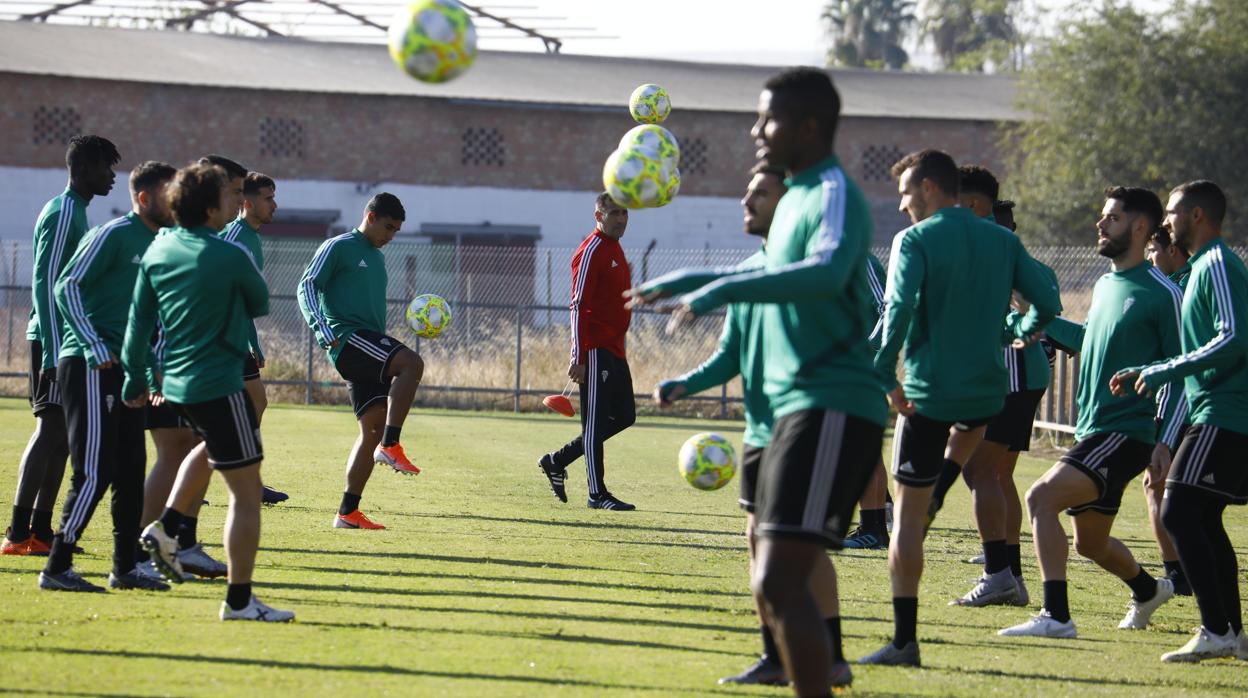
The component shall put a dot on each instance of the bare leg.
(986, 495)
(1009, 491)
(172, 447)
(259, 398)
(360, 463)
(1063, 486)
(1152, 496)
(877, 486)
(905, 552)
(782, 580)
(193, 479)
(1092, 540)
(406, 368)
(242, 526)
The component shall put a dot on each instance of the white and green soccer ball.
(708, 461)
(656, 138)
(649, 104)
(640, 178)
(428, 315)
(433, 40)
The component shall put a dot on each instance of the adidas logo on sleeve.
(363, 264)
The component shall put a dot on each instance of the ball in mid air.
(433, 40)
(649, 104)
(707, 461)
(428, 315)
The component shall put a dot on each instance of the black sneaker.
(69, 580)
(134, 580)
(608, 501)
(555, 476)
(860, 539)
(765, 672)
(272, 496)
(1182, 587)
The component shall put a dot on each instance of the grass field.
(484, 585)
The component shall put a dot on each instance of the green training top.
(242, 233)
(60, 227)
(344, 290)
(97, 286)
(1029, 367)
(1181, 274)
(817, 309)
(1133, 321)
(204, 291)
(1214, 363)
(949, 282)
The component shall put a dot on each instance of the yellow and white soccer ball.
(656, 138)
(428, 315)
(708, 461)
(433, 40)
(649, 104)
(639, 178)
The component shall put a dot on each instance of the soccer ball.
(428, 315)
(656, 138)
(638, 178)
(649, 104)
(707, 461)
(433, 40)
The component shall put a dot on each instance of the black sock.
(186, 533)
(350, 502)
(873, 521)
(171, 521)
(390, 436)
(888, 496)
(1055, 600)
(41, 524)
(996, 557)
(1174, 569)
(834, 633)
(19, 530)
(949, 473)
(141, 555)
(61, 556)
(1143, 586)
(770, 651)
(905, 620)
(238, 596)
(1015, 552)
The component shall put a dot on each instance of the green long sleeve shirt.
(344, 290)
(58, 230)
(242, 233)
(204, 291)
(1029, 367)
(97, 287)
(1133, 321)
(949, 283)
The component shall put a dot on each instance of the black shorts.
(363, 363)
(1112, 460)
(751, 458)
(251, 369)
(919, 447)
(164, 416)
(44, 393)
(812, 474)
(229, 428)
(1012, 425)
(1212, 459)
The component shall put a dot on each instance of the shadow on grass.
(1150, 685)
(580, 524)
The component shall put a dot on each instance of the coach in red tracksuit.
(600, 277)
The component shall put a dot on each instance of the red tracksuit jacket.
(600, 277)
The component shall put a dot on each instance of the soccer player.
(815, 306)
(204, 289)
(1133, 321)
(1208, 471)
(600, 319)
(61, 224)
(950, 277)
(343, 298)
(1007, 434)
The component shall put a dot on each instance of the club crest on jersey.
(108, 400)
(1126, 305)
(604, 376)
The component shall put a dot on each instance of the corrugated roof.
(186, 58)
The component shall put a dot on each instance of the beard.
(1113, 247)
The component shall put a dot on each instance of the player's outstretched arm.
(137, 343)
(677, 283)
(719, 368)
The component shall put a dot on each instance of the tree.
(1122, 97)
(869, 33)
(968, 35)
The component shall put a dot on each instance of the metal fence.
(509, 341)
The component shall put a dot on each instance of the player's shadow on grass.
(1119, 680)
(580, 524)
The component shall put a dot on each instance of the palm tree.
(969, 33)
(869, 33)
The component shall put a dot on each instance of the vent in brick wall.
(55, 125)
(878, 161)
(482, 146)
(693, 157)
(282, 138)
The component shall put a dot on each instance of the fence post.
(549, 273)
(723, 401)
(307, 395)
(519, 348)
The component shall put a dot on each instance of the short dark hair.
(195, 189)
(256, 181)
(84, 151)
(150, 174)
(1002, 206)
(603, 200)
(1207, 196)
(808, 93)
(1161, 236)
(978, 180)
(765, 168)
(936, 165)
(1138, 200)
(232, 169)
(386, 205)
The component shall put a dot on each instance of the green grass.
(485, 585)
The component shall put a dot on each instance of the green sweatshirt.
(1181, 274)
(239, 231)
(204, 291)
(97, 286)
(60, 227)
(1029, 367)
(949, 283)
(344, 290)
(817, 309)
(1133, 321)
(1214, 360)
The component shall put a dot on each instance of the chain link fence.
(508, 345)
